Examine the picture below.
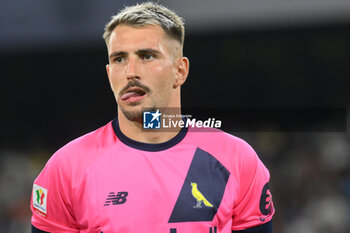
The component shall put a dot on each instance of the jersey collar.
(148, 146)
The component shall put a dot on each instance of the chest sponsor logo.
(202, 191)
(116, 199)
(40, 200)
(201, 200)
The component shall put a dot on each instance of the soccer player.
(121, 178)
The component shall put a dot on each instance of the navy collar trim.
(148, 146)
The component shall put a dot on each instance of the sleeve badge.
(40, 200)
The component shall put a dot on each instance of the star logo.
(156, 115)
(151, 120)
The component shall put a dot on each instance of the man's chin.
(133, 115)
(133, 103)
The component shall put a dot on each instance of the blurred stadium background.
(243, 53)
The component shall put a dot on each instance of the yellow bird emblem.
(199, 197)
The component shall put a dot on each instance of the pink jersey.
(196, 182)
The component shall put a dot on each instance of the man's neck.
(134, 130)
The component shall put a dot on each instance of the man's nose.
(132, 69)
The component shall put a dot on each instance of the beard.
(133, 115)
(137, 115)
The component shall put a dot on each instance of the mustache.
(134, 83)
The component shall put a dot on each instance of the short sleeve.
(51, 203)
(253, 206)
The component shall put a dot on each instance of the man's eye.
(148, 56)
(119, 59)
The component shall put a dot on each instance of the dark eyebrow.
(118, 53)
(147, 51)
(138, 52)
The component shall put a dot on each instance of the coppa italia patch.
(40, 200)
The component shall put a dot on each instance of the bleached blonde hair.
(148, 13)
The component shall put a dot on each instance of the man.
(121, 178)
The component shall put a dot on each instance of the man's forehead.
(125, 34)
(127, 38)
(128, 33)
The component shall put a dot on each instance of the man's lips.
(133, 94)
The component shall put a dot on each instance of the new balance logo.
(118, 199)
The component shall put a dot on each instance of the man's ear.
(109, 76)
(182, 69)
(107, 69)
